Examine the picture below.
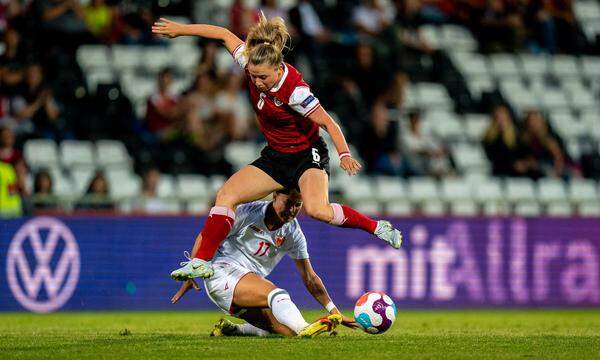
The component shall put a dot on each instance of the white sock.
(250, 330)
(285, 311)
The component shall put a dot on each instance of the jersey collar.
(280, 84)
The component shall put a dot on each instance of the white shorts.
(221, 285)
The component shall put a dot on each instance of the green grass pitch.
(416, 334)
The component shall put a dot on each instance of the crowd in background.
(358, 55)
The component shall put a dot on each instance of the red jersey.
(283, 110)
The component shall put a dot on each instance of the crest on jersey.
(279, 240)
(277, 102)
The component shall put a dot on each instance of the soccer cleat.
(193, 268)
(223, 328)
(324, 324)
(386, 232)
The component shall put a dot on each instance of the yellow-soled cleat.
(223, 328)
(324, 324)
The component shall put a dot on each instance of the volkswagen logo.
(43, 254)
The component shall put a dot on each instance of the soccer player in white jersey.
(263, 232)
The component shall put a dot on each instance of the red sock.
(345, 216)
(218, 224)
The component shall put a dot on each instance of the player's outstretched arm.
(347, 162)
(317, 289)
(172, 29)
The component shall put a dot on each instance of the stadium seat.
(590, 67)
(476, 125)
(77, 153)
(81, 179)
(192, 186)
(166, 186)
(41, 153)
(112, 153)
(422, 189)
(470, 157)
(389, 188)
(563, 66)
(553, 99)
(62, 185)
(198, 207)
(592, 119)
(215, 183)
(534, 65)
(433, 96)
(432, 35)
(561, 209)
(433, 208)
(399, 208)
(241, 153)
(479, 84)
(494, 208)
(368, 207)
(551, 191)
(470, 64)
(455, 189)
(463, 208)
(582, 191)
(359, 189)
(93, 56)
(128, 57)
(528, 209)
(520, 189)
(156, 58)
(504, 65)
(124, 187)
(98, 76)
(162, 206)
(589, 210)
(490, 191)
(445, 125)
(456, 37)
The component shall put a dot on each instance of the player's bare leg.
(248, 184)
(253, 291)
(314, 187)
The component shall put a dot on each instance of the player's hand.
(185, 286)
(350, 165)
(167, 28)
(346, 321)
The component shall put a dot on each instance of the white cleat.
(194, 268)
(386, 232)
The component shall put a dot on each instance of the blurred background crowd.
(446, 102)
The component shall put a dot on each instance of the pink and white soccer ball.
(375, 312)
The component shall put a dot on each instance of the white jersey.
(252, 246)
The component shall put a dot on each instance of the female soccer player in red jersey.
(296, 156)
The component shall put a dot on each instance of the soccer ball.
(375, 312)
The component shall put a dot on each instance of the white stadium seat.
(41, 153)
(564, 66)
(77, 153)
(520, 189)
(112, 153)
(127, 57)
(534, 65)
(192, 186)
(241, 153)
(589, 210)
(463, 208)
(490, 191)
(93, 56)
(166, 186)
(528, 209)
(390, 189)
(422, 189)
(198, 207)
(455, 189)
(433, 208)
(561, 209)
(359, 189)
(124, 187)
(476, 125)
(551, 191)
(581, 191)
(433, 96)
(399, 208)
(504, 65)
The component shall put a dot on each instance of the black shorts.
(287, 168)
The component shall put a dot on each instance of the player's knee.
(321, 212)
(224, 197)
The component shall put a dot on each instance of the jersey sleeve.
(244, 216)
(239, 57)
(299, 250)
(303, 101)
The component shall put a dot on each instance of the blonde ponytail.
(266, 41)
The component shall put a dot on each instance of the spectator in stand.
(371, 75)
(10, 155)
(501, 144)
(96, 196)
(43, 196)
(554, 27)
(351, 108)
(149, 201)
(35, 106)
(395, 95)
(63, 23)
(272, 8)
(501, 27)
(206, 135)
(163, 110)
(372, 17)
(312, 35)
(233, 107)
(424, 153)
(241, 18)
(542, 149)
(14, 54)
(381, 148)
(10, 199)
(99, 19)
(208, 61)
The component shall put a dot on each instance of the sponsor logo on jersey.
(256, 229)
(279, 240)
(307, 101)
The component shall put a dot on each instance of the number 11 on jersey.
(262, 245)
